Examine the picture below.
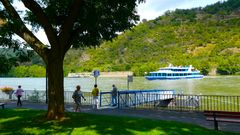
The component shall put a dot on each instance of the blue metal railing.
(105, 99)
(144, 99)
(134, 98)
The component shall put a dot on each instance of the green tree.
(28, 71)
(20, 71)
(67, 23)
(10, 58)
(5, 65)
(36, 71)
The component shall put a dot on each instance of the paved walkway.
(196, 118)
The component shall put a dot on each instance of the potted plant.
(7, 90)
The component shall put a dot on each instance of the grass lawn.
(28, 121)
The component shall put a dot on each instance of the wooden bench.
(222, 116)
(2, 104)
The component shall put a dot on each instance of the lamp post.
(96, 73)
(129, 79)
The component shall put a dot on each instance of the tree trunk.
(55, 88)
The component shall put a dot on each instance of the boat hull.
(172, 77)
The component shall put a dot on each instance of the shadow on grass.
(27, 121)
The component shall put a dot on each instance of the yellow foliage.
(2, 22)
(203, 51)
(6, 89)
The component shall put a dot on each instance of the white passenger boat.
(175, 72)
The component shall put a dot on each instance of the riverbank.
(102, 74)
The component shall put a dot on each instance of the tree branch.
(42, 18)
(21, 30)
(67, 27)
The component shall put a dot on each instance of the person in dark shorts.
(77, 97)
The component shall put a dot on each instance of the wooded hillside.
(207, 38)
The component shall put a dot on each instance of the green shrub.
(28, 71)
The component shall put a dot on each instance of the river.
(210, 85)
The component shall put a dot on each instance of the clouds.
(154, 8)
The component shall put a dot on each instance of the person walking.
(95, 93)
(77, 97)
(19, 93)
(114, 95)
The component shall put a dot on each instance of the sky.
(151, 9)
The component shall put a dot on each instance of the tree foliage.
(66, 23)
(11, 58)
(5, 65)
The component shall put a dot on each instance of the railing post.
(238, 103)
(100, 102)
(118, 101)
(135, 104)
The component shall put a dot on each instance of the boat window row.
(176, 70)
(173, 74)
